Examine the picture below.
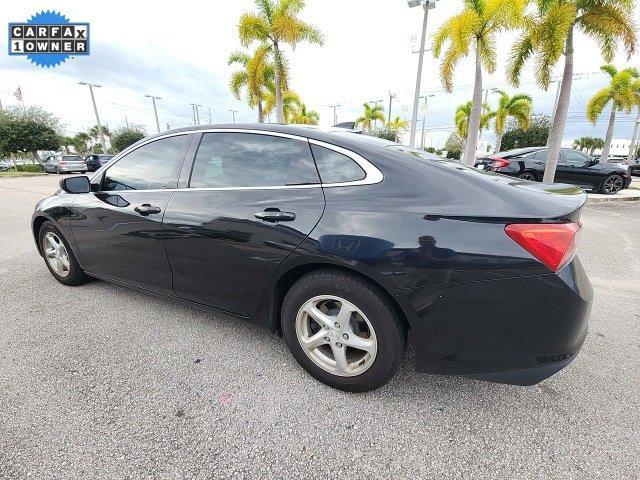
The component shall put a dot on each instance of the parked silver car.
(64, 164)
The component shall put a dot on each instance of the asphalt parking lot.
(102, 382)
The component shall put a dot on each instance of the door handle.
(146, 209)
(276, 216)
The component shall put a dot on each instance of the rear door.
(118, 227)
(252, 198)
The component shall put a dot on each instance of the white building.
(619, 147)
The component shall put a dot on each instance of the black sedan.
(94, 161)
(573, 167)
(340, 242)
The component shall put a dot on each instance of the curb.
(631, 198)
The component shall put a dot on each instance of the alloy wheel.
(527, 176)
(336, 335)
(613, 184)
(56, 254)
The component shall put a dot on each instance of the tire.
(612, 185)
(386, 338)
(58, 171)
(74, 274)
(528, 176)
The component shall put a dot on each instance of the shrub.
(126, 136)
(29, 167)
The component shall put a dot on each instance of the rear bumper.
(69, 169)
(519, 331)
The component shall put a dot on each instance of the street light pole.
(233, 112)
(426, 98)
(375, 122)
(426, 5)
(197, 113)
(193, 112)
(391, 97)
(155, 110)
(335, 115)
(634, 139)
(95, 110)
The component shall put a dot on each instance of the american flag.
(18, 94)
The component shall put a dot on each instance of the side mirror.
(78, 184)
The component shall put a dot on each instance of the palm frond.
(596, 104)
(521, 51)
(252, 27)
(608, 23)
(238, 57)
(237, 82)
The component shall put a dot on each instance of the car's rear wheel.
(528, 176)
(612, 184)
(58, 171)
(343, 330)
(59, 257)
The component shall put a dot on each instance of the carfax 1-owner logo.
(48, 38)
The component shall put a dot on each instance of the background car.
(64, 164)
(342, 243)
(94, 162)
(573, 167)
(634, 168)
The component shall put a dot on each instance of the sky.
(180, 54)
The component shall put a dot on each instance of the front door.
(579, 170)
(118, 228)
(252, 199)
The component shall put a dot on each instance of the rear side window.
(152, 166)
(335, 167)
(236, 160)
(541, 156)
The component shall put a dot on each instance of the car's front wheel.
(343, 330)
(59, 257)
(612, 185)
(528, 176)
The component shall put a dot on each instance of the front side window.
(574, 158)
(155, 165)
(335, 167)
(235, 160)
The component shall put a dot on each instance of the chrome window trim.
(372, 174)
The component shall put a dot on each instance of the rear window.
(335, 167)
(72, 158)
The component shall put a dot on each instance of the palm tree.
(548, 34)
(594, 144)
(277, 23)
(256, 76)
(305, 117)
(94, 132)
(622, 93)
(80, 141)
(396, 125)
(475, 27)
(462, 120)
(581, 143)
(290, 103)
(370, 115)
(519, 107)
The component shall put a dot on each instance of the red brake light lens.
(552, 243)
(499, 163)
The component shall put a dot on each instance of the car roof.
(519, 151)
(331, 135)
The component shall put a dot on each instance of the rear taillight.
(499, 163)
(552, 243)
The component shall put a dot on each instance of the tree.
(256, 76)
(304, 116)
(519, 107)
(125, 136)
(290, 104)
(475, 27)
(548, 34)
(370, 115)
(454, 146)
(80, 143)
(30, 129)
(94, 132)
(535, 136)
(396, 125)
(462, 120)
(277, 23)
(622, 92)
